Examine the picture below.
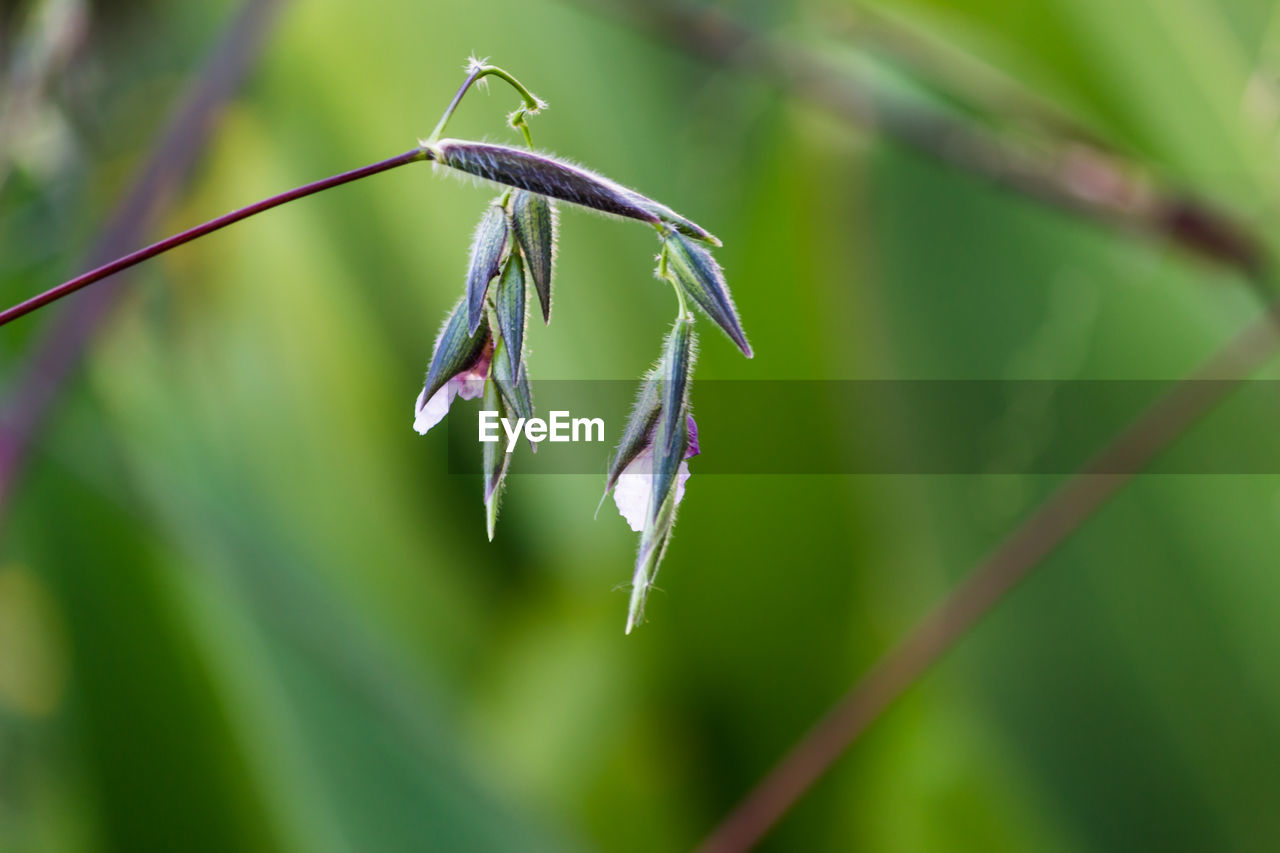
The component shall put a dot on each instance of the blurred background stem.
(1078, 177)
(52, 357)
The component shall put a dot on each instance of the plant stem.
(683, 311)
(134, 258)
(532, 103)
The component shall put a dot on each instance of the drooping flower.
(650, 468)
(481, 349)
(459, 367)
(633, 485)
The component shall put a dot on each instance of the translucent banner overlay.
(893, 427)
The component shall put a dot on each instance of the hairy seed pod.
(533, 219)
(496, 460)
(511, 306)
(695, 272)
(486, 252)
(653, 546)
(514, 386)
(671, 432)
(545, 175)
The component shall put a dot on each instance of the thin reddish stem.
(134, 258)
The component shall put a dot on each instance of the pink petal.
(471, 381)
(470, 385)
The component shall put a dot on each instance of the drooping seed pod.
(533, 219)
(539, 173)
(486, 253)
(696, 273)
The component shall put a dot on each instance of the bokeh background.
(244, 606)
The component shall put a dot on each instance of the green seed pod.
(496, 461)
(512, 384)
(671, 433)
(486, 252)
(510, 304)
(696, 273)
(653, 546)
(533, 220)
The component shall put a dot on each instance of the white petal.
(682, 477)
(432, 412)
(634, 488)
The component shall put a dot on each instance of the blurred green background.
(244, 606)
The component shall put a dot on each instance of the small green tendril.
(518, 120)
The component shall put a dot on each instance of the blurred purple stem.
(54, 357)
